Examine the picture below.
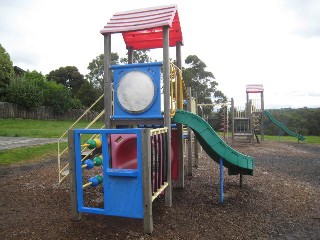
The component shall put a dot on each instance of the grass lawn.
(29, 154)
(54, 129)
(38, 128)
(309, 139)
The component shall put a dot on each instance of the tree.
(36, 77)
(28, 90)
(138, 56)
(68, 76)
(18, 71)
(6, 72)
(202, 82)
(32, 90)
(59, 97)
(88, 94)
(96, 71)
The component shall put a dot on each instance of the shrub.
(25, 92)
(58, 97)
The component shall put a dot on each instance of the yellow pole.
(86, 185)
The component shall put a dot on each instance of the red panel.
(124, 152)
(174, 154)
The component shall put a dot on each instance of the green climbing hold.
(97, 161)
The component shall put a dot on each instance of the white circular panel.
(135, 91)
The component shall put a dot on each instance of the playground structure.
(248, 123)
(135, 156)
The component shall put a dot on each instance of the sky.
(271, 42)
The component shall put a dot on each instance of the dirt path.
(17, 142)
(281, 201)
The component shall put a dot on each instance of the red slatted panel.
(254, 88)
(142, 28)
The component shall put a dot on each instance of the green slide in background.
(214, 146)
(284, 128)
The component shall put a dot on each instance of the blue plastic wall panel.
(153, 70)
(123, 188)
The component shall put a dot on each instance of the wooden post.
(180, 182)
(196, 152)
(107, 81)
(73, 182)
(221, 181)
(189, 136)
(196, 146)
(251, 117)
(146, 175)
(247, 98)
(232, 119)
(262, 118)
(130, 55)
(167, 117)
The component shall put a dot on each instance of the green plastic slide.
(214, 146)
(284, 128)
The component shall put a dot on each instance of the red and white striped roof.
(142, 28)
(254, 88)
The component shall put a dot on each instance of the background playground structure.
(248, 122)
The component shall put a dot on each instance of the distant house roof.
(254, 88)
(142, 28)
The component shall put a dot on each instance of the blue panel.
(122, 172)
(124, 196)
(123, 188)
(153, 70)
(78, 170)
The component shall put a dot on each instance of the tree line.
(305, 121)
(66, 88)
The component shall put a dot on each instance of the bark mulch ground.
(280, 201)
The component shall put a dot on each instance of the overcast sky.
(271, 42)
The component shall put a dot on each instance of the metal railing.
(176, 86)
